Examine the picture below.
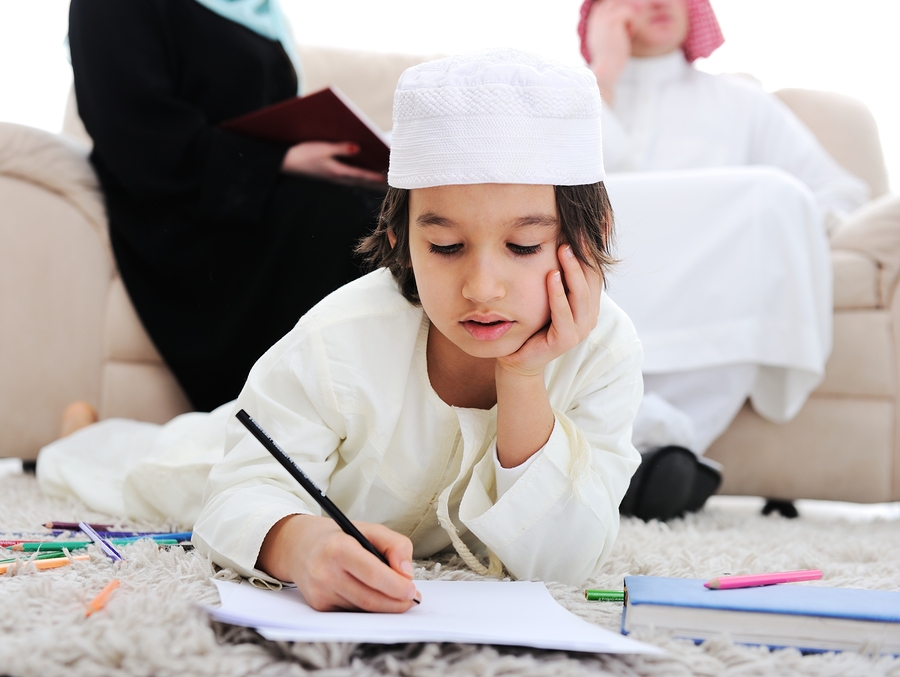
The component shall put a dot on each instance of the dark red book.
(325, 115)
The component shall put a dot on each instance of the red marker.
(755, 580)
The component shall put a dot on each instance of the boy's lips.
(487, 328)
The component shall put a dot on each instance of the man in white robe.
(723, 203)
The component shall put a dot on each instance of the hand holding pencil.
(336, 564)
(333, 572)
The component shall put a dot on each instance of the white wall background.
(852, 48)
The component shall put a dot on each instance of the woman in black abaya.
(222, 241)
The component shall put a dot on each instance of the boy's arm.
(257, 519)
(559, 520)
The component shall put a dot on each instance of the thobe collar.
(655, 69)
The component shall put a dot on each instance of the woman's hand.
(608, 38)
(333, 571)
(320, 159)
(573, 315)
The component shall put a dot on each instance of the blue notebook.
(806, 617)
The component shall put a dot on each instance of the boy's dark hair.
(585, 216)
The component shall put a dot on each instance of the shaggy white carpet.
(152, 625)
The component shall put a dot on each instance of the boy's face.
(481, 255)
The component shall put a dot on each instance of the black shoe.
(706, 482)
(661, 488)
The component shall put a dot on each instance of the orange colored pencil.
(100, 600)
(45, 563)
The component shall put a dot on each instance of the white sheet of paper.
(519, 613)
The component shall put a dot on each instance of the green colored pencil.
(78, 545)
(40, 555)
(604, 595)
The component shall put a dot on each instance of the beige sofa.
(69, 332)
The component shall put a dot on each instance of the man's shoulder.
(742, 85)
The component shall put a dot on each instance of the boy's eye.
(444, 249)
(523, 250)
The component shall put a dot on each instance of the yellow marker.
(100, 600)
(46, 563)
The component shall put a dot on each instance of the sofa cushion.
(125, 337)
(142, 391)
(57, 164)
(856, 278)
(837, 448)
(862, 361)
(874, 230)
(54, 275)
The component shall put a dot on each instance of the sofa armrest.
(874, 230)
(846, 128)
(57, 164)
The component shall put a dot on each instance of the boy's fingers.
(357, 596)
(396, 547)
(585, 285)
(371, 572)
(393, 581)
(576, 280)
(561, 318)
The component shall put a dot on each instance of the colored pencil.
(17, 541)
(179, 535)
(100, 600)
(41, 555)
(78, 545)
(756, 580)
(604, 595)
(105, 545)
(47, 563)
(74, 526)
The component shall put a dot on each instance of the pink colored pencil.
(6, 544)
(755, 580)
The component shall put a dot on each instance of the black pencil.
(330, 508)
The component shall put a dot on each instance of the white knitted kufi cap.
(496, 116)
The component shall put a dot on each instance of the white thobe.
(346, 393)
(670, 116)
(721, 196)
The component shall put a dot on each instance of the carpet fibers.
(152, 624)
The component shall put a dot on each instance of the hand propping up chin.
(573, 314)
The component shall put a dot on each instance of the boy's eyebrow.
(432, 219)
(536, 220)
(545, 220)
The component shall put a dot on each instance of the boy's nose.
(483, 282)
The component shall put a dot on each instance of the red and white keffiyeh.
(703, 37)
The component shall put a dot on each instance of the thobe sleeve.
(154, 143)
(779, 138)
(559, 520)
(248, 492)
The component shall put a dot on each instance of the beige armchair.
(845, 443)
(69, 332)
